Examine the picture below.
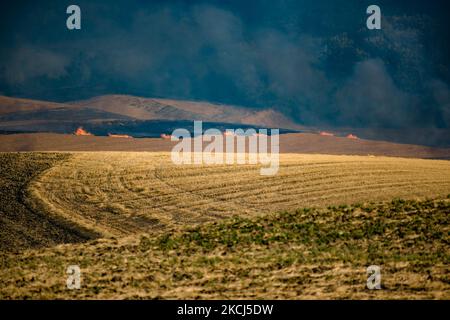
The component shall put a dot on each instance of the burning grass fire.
(111, 135)
(352, 136)
(81, 132)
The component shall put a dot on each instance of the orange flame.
(119, 135)
(81, 132)
(352, 136)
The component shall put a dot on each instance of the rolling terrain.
(116, 194)
(142, 227)
(120, 112)
(9, 105)
(167, 109)
(163, 231)
(22, 223)
(289, 143)
(308, 254)
(150, 117)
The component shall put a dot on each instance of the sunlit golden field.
(140, 227)
(118, 193)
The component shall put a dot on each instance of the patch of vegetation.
(308, 253)
(164, 231)
(384, 224)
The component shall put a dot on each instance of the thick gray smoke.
(315, 62)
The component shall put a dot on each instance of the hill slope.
(113, 111)
(151, 109)
(11, 105)
(22, 223)
(117, 193)
(223, 231)
(289, 143)
(305, 254)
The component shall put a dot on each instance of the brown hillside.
(151, 109)
(10, 105)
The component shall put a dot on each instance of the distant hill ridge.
(167, 109)
(99, 113)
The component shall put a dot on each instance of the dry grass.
(227, 232)
(118, 194)
(22, 224)
(289, 143)
(304, 254)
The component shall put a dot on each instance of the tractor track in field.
(125, 193)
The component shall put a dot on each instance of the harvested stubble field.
(121, 193)
(167, 231)
(310, 253)
(21, 225)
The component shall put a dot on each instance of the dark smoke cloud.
(314, 61)
(371, 97)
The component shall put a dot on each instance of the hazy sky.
(315, 61)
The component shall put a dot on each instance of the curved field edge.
(307, 253)
(42, 203)
(23, 223)
(117, 194)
